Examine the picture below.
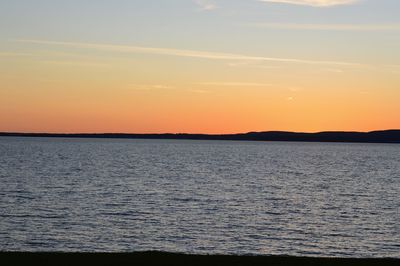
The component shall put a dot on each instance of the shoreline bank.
(164, 258)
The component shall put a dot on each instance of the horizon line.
(207, 134)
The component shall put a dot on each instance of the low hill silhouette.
(383, 136)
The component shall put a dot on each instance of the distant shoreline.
(384, 136)
(164, 258)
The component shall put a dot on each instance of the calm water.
(200, 197)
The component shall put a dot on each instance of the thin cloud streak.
(76, 63)
(186, 53)
(158, 86)
(149, 87)
(205, 5)
(234, 84)
(329, 27)
(199, 91)
(12, 54)
(313, 3)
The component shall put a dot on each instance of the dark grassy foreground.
(160, 258)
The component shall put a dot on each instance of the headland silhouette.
(383, 136)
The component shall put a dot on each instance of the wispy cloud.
(294, 89)
(234, 84)
(12, 54)
(76, 63)
(395, 69)
(315, 3)
(333, 70)
(199, 91)
(205, 5)
(158, 86)
(187, 53)
(329, 27)
(252, 64)
(148, 87)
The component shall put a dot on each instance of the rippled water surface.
(200, 197)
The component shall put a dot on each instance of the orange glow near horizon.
(190, 95)
(210, 110)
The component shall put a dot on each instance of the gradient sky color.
(199, 66)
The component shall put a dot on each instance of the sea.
(200, 197)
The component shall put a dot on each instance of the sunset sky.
(199, 66)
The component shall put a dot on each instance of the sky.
(199, 66)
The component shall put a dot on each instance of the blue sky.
(228, 24)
